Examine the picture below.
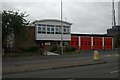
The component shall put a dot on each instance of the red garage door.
(97, 43)
(85, 43)
(74, 42)
(108, 43)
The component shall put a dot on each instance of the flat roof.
(94, 35)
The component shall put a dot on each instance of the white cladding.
(56, 37)
(103, 42)
(91, 42)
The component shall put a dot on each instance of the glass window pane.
(52, 32)
(39, 28)
(48, 32)
(52, 29)
(44, 29)
(48, 29)
(64, 30)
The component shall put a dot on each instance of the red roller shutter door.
(97, 43)
(74, 42)
(85, 43)
(107, 43)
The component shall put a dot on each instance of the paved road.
(107, 70)
(42, 59)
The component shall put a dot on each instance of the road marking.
(114, 71)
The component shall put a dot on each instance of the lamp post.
(61, 30)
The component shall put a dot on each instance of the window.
(66, 30)
(58, 30)
(41, 29)
(50, 29)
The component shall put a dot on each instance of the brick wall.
(27, 41)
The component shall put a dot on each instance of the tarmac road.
(107, 70)
(42, 59)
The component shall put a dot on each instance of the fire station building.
(48, 33)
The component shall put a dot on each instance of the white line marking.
(114, 71)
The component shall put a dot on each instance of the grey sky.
(87, 17)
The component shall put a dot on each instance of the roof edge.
(51, 20)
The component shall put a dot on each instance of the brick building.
(47, 33)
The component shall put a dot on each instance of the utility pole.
(61, 30)
(113, 14)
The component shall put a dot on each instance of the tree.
(13, 24)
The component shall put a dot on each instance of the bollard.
(96, 55)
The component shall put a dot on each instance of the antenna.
(113, 15)
(66, 19)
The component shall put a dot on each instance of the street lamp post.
(61, 31)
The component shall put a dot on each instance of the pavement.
(56, 63)
(50, 53)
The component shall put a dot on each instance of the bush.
(69, 49)
(73, 48)
(40, 52)
(54, 48)
(65, 49)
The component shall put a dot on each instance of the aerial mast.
(113, 14)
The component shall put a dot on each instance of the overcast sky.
(87, 16)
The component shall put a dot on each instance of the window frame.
(41, 28)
